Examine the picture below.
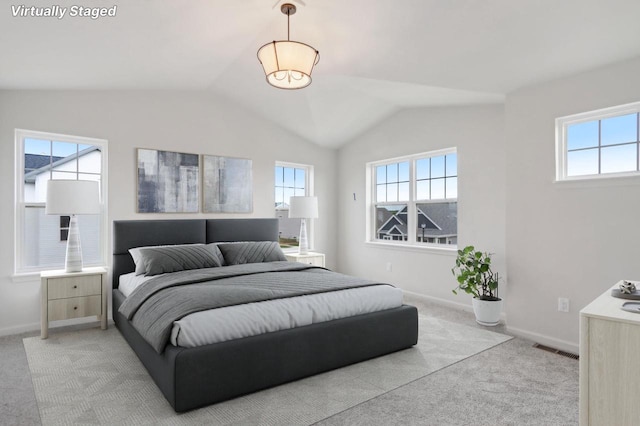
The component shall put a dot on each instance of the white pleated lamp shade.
(303, 207)
(288, 64)
(67, 197)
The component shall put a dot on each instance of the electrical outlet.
(389, 267)
(563, 304)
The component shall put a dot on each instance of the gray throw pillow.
(251, 252)
(137, 258)
(217, 252)
(160, 260)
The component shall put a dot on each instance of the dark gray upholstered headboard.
(137, 233)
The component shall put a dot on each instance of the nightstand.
(66, 295)
(311, 258)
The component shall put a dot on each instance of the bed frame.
(194, 377)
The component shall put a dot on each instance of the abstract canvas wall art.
(168, 182)
(228, 185)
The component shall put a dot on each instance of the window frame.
(561, 126)
(371, 185)
(19, 270)
(309, 192)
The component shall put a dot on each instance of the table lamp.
(73, 197)
(303, 208)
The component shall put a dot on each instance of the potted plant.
(475, 277)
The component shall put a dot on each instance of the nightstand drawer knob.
(75, 308)
(75, 286)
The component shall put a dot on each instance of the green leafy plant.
(474, 274)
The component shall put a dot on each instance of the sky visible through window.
(290, 181)
(608, 145)
(53, 148)
(436, 179)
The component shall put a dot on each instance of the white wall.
(477, 132)
(570, 240)
(176, 121)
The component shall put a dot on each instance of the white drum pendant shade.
(288, 64)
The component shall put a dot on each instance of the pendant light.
(288, 64)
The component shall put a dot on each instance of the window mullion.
(411, 206)
(373, 229)
(599, 146)
(77, 162)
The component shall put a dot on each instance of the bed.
(197, 376)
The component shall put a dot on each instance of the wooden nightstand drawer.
(69, 295)
(315, 261)
(74, 307)
(62, 288)
(312, 258)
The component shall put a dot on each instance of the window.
(291, 180)
(415, 199)
(41, 239)
(598, 144)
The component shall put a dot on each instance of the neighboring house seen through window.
(64, 227)
(598, 144)
(291, 180)
(40, 238)
(415, 199)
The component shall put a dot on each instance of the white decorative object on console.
(303, 208)
(73, 197)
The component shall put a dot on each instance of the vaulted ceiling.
(376, 57)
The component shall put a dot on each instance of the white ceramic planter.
(487, 311)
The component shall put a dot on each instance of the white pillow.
(135, 254)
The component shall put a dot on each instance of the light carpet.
(94, 377)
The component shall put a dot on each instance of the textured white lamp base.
(73, 261)
(303, 242)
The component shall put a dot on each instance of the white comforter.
(234, 322)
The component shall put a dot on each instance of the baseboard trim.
(563, 345)
(553, 342)
(28, 328)
(19, 329)
(448, 303)
(443, 302)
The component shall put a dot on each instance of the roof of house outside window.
(35, 161)
(438, 218)
(30, 175)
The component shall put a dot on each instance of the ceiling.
(376, 57)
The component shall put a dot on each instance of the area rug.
(93, 377)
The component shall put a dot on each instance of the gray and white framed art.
(168, 182)
(227, 185)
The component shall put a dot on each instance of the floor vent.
(556, 351)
